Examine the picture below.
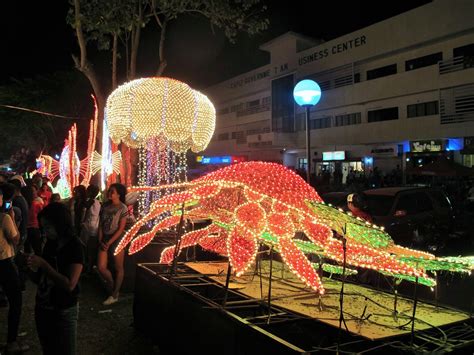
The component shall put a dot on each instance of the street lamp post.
(307, 93)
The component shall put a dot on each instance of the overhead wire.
(42, 112)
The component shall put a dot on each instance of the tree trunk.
(83, 65)
(127, 59)
(162, 64)
(135, 38)
(114, 62)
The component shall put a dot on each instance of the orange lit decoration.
(86, 164)
(256, 202)
(69, 167)
(109, 162)
(163, 118)
(47, 166)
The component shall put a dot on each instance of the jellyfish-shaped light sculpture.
(163, 118)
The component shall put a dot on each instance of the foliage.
(55, 93)
(101, 20)
(232, 17)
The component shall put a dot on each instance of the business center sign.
(335, 49)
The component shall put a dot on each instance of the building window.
(253, 103)
(258, 131)
(267, 100)
(235, 108)
(467, 52)
(424, 61)
(385, 114)
(302, 163)
(383, 71)
(357, 78)
(422, 109)
(319, 123)
(223, 136)
(283, 105)
(223, 111)
(240, 137)
(349, 119)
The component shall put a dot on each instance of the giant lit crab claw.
(255, 202)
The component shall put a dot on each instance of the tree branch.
(136, 31)
(80, 36)
(163, 63)
(153, 9)
(114, 61)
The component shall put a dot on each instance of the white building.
(401, 88)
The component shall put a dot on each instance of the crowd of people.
(51, 242)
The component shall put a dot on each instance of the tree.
(116, 25)
(53, 93)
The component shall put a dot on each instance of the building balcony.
(253, 110)
(271, 139)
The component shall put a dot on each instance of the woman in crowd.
(35, 205)
(111, 227)
(90, 226)
(57, 273)
(9, 277)
(45, 192)
(77, 206)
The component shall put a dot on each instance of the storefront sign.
(435, 145)
(339, 155)
(384, 151)
(226, 159)
(335, 49)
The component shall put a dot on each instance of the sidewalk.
(108, 332)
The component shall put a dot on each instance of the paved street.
(109, 332)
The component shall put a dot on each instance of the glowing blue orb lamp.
(307, 93)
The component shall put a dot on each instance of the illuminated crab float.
(255, 202)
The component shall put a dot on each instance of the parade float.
(286, 255)
(68, 167)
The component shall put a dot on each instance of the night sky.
(36, 39)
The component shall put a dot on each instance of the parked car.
(414, 216)
(337, 199)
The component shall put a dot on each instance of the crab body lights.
(257, 203)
